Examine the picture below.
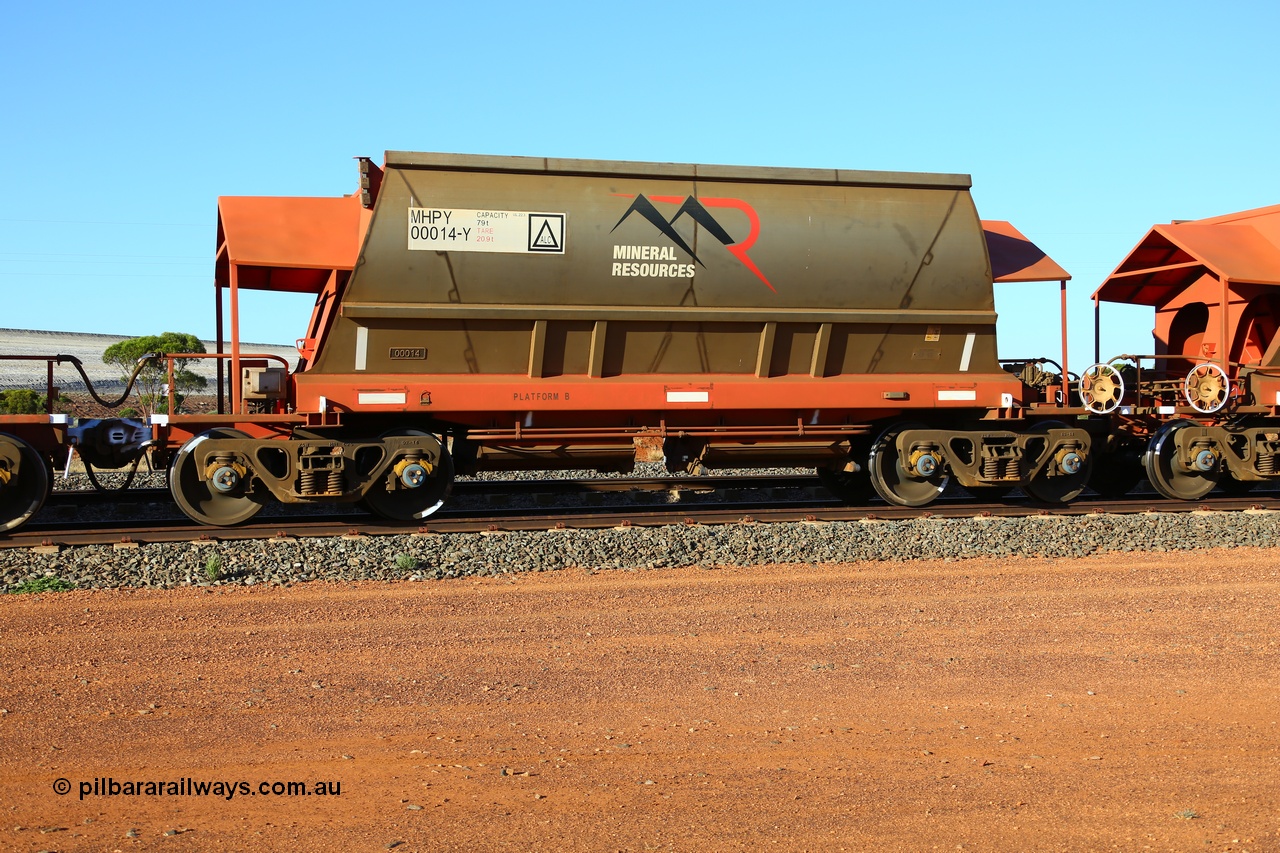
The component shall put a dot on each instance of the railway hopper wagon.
(493, 313)
(1200, 411)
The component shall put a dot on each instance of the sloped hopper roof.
(1015, 258)
(1239, 247)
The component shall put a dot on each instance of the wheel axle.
(924, 464)
(225, 479)
(413, 475)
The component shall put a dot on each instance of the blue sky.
(1081, 123)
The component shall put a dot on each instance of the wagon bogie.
(224, 476)
(911, 465)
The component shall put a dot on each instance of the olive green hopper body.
(568, 292)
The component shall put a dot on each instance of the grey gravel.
(413, 558)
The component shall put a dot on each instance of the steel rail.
(597, 518)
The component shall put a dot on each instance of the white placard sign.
(449, 230)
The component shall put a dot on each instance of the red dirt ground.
(1126, 703)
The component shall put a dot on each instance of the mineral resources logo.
(648, 261)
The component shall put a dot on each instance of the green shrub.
(21, 401)
(45, 584)
(213, 567)
(24, 401)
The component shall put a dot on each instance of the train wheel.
(24, 482)
(1065, 476)
(1167, 474)
(418, 502)
(199, 499)
(889, 476)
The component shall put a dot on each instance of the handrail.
(1136, 359)
(88, 384)
(132, 379)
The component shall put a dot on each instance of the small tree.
(149, 388)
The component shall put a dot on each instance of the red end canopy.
(288, 244)
(1015, 258)
(1241, 248)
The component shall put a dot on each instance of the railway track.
(473, 488)
(132, 532)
